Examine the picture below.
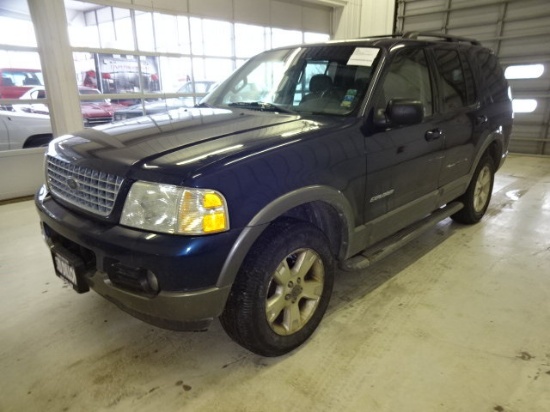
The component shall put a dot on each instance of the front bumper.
(186, 268)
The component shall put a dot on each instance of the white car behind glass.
(20, 130)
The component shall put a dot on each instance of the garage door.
(517, 30)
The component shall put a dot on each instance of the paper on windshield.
(363, 56)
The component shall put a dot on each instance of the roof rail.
(413, 35)
(382, 36)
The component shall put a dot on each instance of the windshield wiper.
(261, 106)
(205, 105)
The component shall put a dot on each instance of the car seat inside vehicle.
(319, 85)
(6, 81)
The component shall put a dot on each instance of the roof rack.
(413, 35)
(382, 36)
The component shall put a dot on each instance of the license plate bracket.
(70, 268)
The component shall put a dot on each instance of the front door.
(412, 154)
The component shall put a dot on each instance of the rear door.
(459, 115)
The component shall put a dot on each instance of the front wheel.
(477, 197)
(282, 290)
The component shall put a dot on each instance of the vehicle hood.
(93, 109)
(188, 138)
(157, 107)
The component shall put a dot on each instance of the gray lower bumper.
(183, 311)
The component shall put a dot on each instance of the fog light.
(152, 281)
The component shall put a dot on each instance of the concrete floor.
(458, 320)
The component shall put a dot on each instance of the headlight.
(175, 209)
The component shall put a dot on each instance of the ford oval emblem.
(72, 183)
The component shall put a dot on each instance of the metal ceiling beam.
(517, 59)
(436, 10)
(506, 20)
(537, 33)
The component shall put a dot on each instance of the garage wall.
(517, 30)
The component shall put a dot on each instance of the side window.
(454, 90)
(471, 94)
(492, 75)
(408, 78)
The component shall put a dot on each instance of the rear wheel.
(41, 140)
(477, 197)
(282, 291)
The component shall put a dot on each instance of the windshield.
(328, 79)
(90, 91)
(21, 77)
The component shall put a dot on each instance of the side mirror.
(400, 112)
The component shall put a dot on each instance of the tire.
(477, 197)
(38, 141)
(282, 290)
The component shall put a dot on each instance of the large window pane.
(123, 29)
(315, 37)
(197, 43)
(106, 27)
(85, 69)
(167, 33)
(83, 36)
(212, 69)
(184, 35)
(24, 125)
(144, 28)
(211, 37)
(209, 50)
(282, 38)
(17, 32)
(83, 29)
(249, 40)
(117, 73)
(174, 72)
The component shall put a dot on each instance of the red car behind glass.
(94, 112)
(15, 82)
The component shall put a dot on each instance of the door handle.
(434, 134)
(481, 120)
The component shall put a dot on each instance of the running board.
(389, 245)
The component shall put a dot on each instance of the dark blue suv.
(305, 158)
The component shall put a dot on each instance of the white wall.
(362, 18)
(21, 172)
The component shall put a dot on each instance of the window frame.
(430, 65)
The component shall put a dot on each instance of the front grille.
(127, 115)
(86, 188)
(96, 121)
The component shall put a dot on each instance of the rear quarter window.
(495, 84)
(454, 87)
